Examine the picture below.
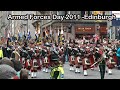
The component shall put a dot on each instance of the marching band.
(81, 53)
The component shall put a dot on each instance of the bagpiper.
(72, 59)
(86, 60)
(34, 64)
(45, 60)
(110, 62)
(78, 59)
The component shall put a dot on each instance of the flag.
(19, 35)
(61, 31)
(28, 35)
(36, 35)
(9, 34)
(24, 35)
(46, 33)
(58, 32)
(50, 32)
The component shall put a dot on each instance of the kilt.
(72, 60)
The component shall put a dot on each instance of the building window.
(66, 12)
(57, 12)
(103, 12)
(89, 13)
(51, 12)
(82, 13)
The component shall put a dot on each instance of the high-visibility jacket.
(60, 71)
(1, 53)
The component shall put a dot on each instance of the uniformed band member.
(86, 61)
(72, 59)
(110, 63)
(78, 60)
(45, 59)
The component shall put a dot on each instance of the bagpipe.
(24, 55)
(44, 55)
(72, 55)
(54, 55)
(37, 53)
(78, 56)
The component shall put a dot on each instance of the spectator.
(7, 72)
(7, 61)
(13, 63)
(24, 74)
(17, 66)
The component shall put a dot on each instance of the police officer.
(57, 72)
(1, 53)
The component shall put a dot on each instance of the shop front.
(103, 32)
(87, 31)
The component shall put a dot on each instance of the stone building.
(12, 27)
(78, 28)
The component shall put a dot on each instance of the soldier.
(45, 60)
(78, 60)
(54, 56)
(86, 61)
(34, 63)
(72, 59)
(110, 63)
(23, 55)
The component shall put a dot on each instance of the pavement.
(92, 74)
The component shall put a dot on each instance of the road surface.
(92, 74)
